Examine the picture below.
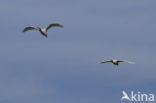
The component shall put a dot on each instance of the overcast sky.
(63, 68)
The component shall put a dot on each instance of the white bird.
(42, 31)
(116, 62)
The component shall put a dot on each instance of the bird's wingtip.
(61, 26)
(132, 62)
(101, 63)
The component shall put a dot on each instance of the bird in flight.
(116, 62)
(42, 31)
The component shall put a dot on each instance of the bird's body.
(42, 31)
(116, 62)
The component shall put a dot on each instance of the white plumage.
(116, 62)
(44, 30)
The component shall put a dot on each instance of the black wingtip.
(46, 36)
(61, 26)
(23, 30)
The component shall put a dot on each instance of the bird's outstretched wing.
(54, 25)
(105, 62)
(126, 61)
(29, 28)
